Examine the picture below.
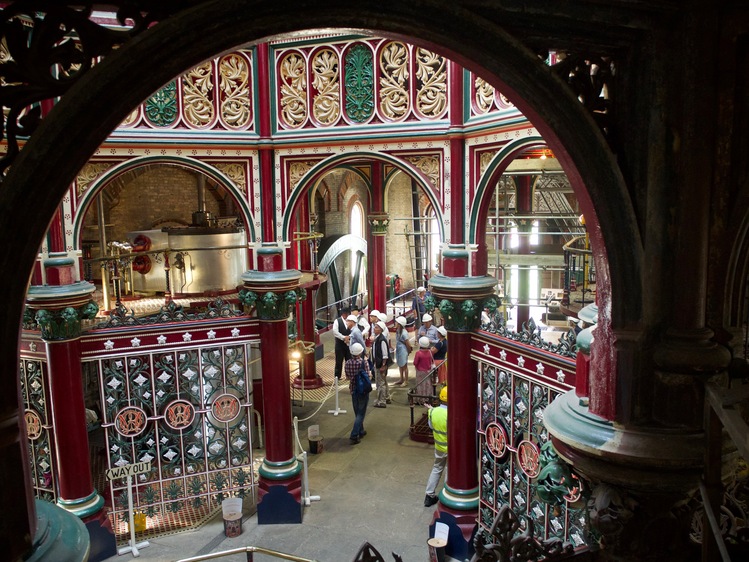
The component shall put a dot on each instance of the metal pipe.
(102, 250)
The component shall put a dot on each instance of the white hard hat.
(352, 318)
(402, 321)
(357, 349)
(382, 316)
(424, 341)
(426, 318)
(421, 290)
(374, 312)
(381, 326)
(442, 331)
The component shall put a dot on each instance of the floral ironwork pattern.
(34, 392)
(431, 76)
(430, 166)
(197, 95)
(236, 173)
(518, 475)
(234, 91)
(326, 102)
(172, 312)
(88, 174)
(293, 76)
(510, 537)
(359, 71)
(196, 458)
(297, 171)
(530, 334)
(483, 95)
(161, 107)
(394, 84)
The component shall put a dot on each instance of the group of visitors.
(354, 334)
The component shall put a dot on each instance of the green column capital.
(57, 310)
(461, 299)
(272, 293)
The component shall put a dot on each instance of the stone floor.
(371, 492)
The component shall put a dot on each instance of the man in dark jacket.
(341, 333)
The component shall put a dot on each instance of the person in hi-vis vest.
(438, 422)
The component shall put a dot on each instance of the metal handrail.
(348, 300)
(568, 247)
(249, 550)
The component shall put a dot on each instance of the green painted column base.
(60, 536)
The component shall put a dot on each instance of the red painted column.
(69, 419)
(58, 309)
(459, 498)
(457, 166)
(462, 468)
(378, 223)
(276, 395)
(273, 292)
(267, 175)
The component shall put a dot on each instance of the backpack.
(362, 384)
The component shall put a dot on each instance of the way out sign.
(128, 470)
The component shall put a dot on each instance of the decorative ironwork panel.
(395, 101)
(359, 73)
(161, 108)
(188, 412)
(326, 96)
(511, 436)
(39, 428)
(235, 96)
(292, 72)
(198, 96)
(431, 83)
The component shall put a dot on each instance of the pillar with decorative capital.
(274, 292)
(378, 224)
(460, 300)
(57, 310)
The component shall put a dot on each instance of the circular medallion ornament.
(130, 421)
(496, 439)
(225, 408)
(179, 414)
(528, 455)
(33, 424)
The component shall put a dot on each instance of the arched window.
(356, 228)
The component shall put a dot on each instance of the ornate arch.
(318, 170)
(188, 163)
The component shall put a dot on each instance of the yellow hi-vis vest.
(438, 421)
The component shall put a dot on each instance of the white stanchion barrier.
(337, 409)
(133, 546)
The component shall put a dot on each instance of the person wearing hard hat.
(428, 329)
(418, 306)
(382, 317)
(423, 365)
(358, 400)
(355, 336)
(439, 353)
(381, 358)
(402, 349)
(437, 419)
(374, 317)
(361, 321)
